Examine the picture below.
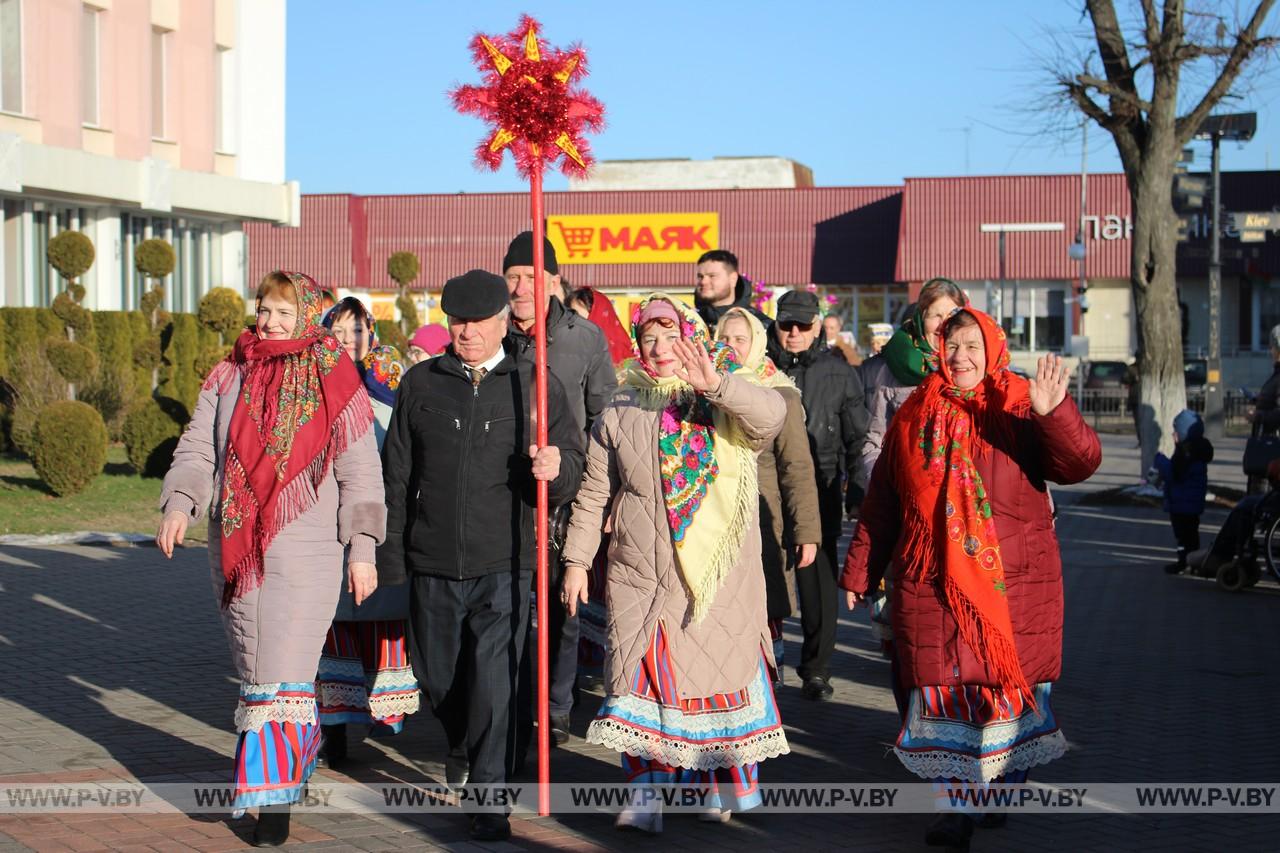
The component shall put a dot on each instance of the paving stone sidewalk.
(113, 666)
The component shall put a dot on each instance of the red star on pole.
(530, 99)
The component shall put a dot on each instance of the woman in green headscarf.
(909, 357)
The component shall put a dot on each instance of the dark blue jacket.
(1186, 475)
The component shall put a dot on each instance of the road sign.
(1259, 221)
(1253, 236)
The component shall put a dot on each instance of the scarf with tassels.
(950, 531)
(758, 367)
(709, 483)
(301, 405)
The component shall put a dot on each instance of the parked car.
(1105, 374)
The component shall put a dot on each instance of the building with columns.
(132, 119)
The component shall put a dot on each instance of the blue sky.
(862, 92)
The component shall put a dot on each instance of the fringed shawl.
(950, 532)
(301, 405)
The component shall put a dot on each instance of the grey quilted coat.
(722, 652)
(277, 630)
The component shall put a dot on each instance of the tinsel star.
(530, 100)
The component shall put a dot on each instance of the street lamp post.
(1239, 127)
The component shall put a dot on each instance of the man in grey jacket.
(577, 356)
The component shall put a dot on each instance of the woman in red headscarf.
(598, 308)
(280, 449)
(958, 511)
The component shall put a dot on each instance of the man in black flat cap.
(460, 469)
(836, 420)
(578, 356)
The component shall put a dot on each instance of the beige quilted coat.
(722, 652)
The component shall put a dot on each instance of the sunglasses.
(788, 325)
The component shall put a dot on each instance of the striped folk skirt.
(279, 741)
(697, 742)
(365, 676)
(973, 733)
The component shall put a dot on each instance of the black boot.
(273, 826)
(334, 748)
(950, 830)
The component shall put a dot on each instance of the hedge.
(151, 432)
(70, 446)
(125, 348)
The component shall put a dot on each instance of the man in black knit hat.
(578, 356)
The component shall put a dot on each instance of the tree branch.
(1121, 129)
(1107, 88)
(1246, 42)
(1188, 52)
(1111, 46)
(1152, 24)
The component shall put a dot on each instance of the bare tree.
(1136, 99)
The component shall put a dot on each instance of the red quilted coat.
(1057, 448)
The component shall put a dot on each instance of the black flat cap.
(798, 306)
(520, 254)
(474, 295)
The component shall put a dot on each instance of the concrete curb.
(80, 537)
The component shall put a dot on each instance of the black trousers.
(562, 639)
(1186, 532)
(466, 639)
(816, 588)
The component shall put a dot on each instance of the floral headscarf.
(301, 404)
(951, 532)
(708, 474)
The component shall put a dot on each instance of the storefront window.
(1041, 312)
(1267, 300)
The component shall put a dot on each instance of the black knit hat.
(520, 254)
(474, 295)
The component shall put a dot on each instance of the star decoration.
(530, 99)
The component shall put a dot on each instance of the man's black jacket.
(835, 412)
(460, 488)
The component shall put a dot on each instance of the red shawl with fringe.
(301, 404)
(950, 532)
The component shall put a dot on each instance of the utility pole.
(1213, 396)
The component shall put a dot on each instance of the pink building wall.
(52, 85)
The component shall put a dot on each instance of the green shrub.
(151, 432)
(76, 317)
(71, 254)
(112, 393)
(150, 301)
(180, 347)
(222, 310)
(154, 258)
(26, 330)
(146, 352)
(409, 321)
(390, 333)
(208, 358)
(35, 384)
(403, 267)
(74, 361)
(70, 446)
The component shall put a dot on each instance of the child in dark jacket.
(1186, 481)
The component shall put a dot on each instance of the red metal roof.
(837, 235)
(323, 246)
(941, 219)
(823, 235)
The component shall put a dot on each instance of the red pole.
(540, 372)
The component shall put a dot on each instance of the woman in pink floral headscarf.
(672, 465)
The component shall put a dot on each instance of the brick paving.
(113, 667)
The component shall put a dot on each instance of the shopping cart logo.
(576, 240)
(633, 238)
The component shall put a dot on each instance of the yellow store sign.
(633, 238)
